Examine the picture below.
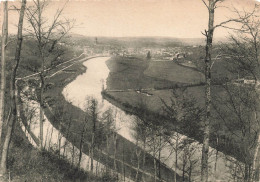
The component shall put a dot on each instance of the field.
(168, 70)
(128, 73)
(156, 78)
(154, 99)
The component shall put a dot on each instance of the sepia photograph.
(130, 91)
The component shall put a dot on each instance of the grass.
(155, 98)
(25, 163)
(128, 73)
(153, 102)
(168, 70)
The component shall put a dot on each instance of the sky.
(124, 18)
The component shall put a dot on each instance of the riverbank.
(124, 158)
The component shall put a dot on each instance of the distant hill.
(141, 41)
(137, 42)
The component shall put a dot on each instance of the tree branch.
(205, 4)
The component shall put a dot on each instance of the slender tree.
(92, 112)
(212, 5)
(209, 36)
(47, 36)
(13, 91)
(148, 56)
(3, 57)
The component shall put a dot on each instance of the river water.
(90, 84)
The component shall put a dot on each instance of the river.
(90, 84)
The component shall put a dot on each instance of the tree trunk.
(190, 172)
(255, 165)
(246, 176)
(67, 135)
(154, 164)
(159, 157)
(215, 168)
(176, 158)
(97, 162)
(92, 154)
(13, 92)
(124, 160)
(183, 171)
(94, 120)
(3, 71)
(41, 110)
(107, 150)
(115, 150)
(81, 146)
(59, 140)
(205, 148)
(138, 154)
(144, 156)
(73, 155)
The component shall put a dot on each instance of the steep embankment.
(26, 163)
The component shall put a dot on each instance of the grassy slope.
(168, 70)
(128, 73)
(28, 164)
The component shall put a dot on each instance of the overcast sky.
(120, 18)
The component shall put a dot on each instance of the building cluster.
(174, 53)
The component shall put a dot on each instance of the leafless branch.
(205, 34)
(205, 4)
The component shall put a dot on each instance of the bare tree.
(3, 69)
(140, 135)
(108, 130)
(243, 57)
(212, 5)
(92, 112)
(209, 36)
(189, 160)
(185, 116)
(82, 140)
(47, 35)
(13, 91)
